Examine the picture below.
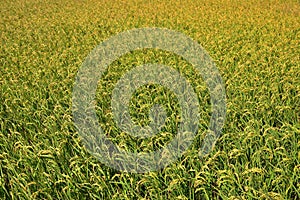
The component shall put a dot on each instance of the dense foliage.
(255, 45)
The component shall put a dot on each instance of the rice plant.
(255, 45)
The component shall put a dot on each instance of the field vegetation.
(255, 45)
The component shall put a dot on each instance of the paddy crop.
(255, 45)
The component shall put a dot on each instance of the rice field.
(255, 46)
